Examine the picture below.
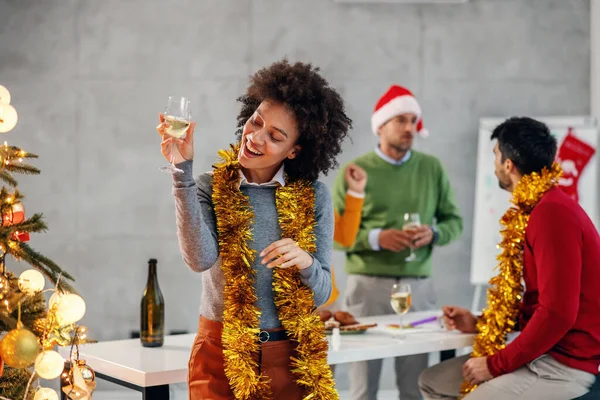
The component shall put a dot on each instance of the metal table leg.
(160, 392)
(447, 354)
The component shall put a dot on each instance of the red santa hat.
(396, 101)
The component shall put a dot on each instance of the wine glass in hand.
(174, 127)
(412, 221)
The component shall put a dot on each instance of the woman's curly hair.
(318, 108)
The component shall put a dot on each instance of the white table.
(152, 370)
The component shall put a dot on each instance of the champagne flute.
(178, 117)
(401, 300)
(412, 221)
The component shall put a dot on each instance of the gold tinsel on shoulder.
(295, 304)
(506, 289)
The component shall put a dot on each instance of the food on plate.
(357, 327)
(397, 326)
(325, 315)
(345, 318)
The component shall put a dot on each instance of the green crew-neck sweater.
(418, 185)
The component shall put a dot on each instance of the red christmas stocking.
(573, 156)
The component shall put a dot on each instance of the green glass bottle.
(152, 332)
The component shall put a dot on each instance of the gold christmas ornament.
(39, 326)
(51, 333)
(58, 335)
(45, 394)
(82, 332)
(88, 374)
(506, 290)
(19, 347)
(79, 389)
(295, 304)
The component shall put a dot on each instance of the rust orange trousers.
(206, 373)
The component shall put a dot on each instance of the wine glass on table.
(412, 222)
(178, 118)
(400, 300)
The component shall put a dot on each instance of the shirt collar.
(278, 179)
(390, 160)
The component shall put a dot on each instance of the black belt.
(264, 336)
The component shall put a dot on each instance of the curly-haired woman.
(260, 228)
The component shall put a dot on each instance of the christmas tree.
(32, 327)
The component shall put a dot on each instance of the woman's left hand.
(286, 253)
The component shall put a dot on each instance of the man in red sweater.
(557, 352)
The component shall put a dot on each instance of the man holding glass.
(409, 207)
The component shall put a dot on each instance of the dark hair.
(527, 143)
(318, 108)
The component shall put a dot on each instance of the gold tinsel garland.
(295, 304)
(506, 289)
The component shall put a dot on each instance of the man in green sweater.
(401, 180)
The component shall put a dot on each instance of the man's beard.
(400, 147)
(506, 185)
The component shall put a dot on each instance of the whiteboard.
(491, 202)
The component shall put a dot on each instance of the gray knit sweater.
(197, 233)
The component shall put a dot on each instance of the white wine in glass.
(178, 117)
(412, 222)
(177, 127)
(400, 300)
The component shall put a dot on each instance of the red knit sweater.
(560, 311)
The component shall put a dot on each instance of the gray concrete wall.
(88, 79)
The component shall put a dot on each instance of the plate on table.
(352, 329)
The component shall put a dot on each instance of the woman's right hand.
(356, 178)
(181, 149)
